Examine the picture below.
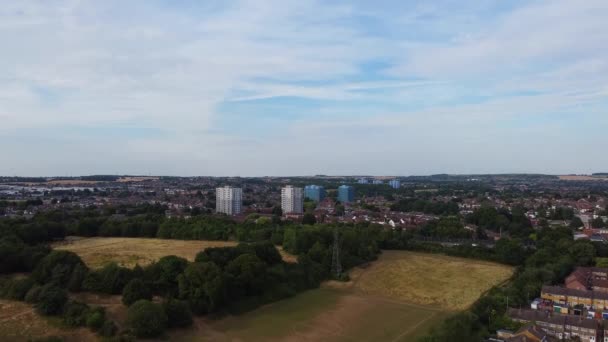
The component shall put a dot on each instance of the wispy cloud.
(380, 82)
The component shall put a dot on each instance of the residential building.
(377, 181)
(560, 326)
(363, 181)
(346, 194)
(314, 192)
(588, 278)
(394, 183)
(229, 200)
(292, 200)
(527, 333)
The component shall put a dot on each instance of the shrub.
(51, 300)
(146, 319)
(96, 318)
(75, 313)
(111, 279)
(77, 278)
(135, 290)
(17, 289)
(57, 266)
(33, 294)
(108, 329)
(178, 313)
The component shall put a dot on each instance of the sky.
(299, 87)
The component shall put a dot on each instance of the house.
(588, 278)
(558, 325)
(530, 333)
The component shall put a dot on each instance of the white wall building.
(292, 200)
(394, 183)
(229, 200)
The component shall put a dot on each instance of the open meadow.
(429, 279)
(98, 251)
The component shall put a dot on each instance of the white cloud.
(98, 64)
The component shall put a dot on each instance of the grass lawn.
(98, 251)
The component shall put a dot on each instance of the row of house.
(563, 326)
(588, 278)
(573, 297)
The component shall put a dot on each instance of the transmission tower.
(336, 265)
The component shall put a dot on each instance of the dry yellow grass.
(98, 251)
(428, 279)
(19, 322)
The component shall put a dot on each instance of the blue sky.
(303, 87)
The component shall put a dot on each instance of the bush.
(51, 300)
(111, 279)
(146, 319)
(178, 313)
(57, 266)
(96, 318)
(75, 314)
(17, 289)
(33, 294)
(135, 290)
(77, 278)
(108, 329)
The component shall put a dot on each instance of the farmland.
(98, 251)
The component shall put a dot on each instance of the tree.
(246, 275)
(57, 267)
(576, 222)
(267, 252)
(51, 300)
(77, 278)
(510, 252)
(277, 211)
(598, 222)
(309, 219)
(202, 285)
(135, 290)
(178, 313)
(75, 314)
(340, 210)
(582, 253)
(17, 289)
(96, 318)
(147, 319)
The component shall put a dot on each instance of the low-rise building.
(561, 326)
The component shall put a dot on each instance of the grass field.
(397, 298)
(98, 251)
(430, 279)
(324, 314)
(19, 322)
